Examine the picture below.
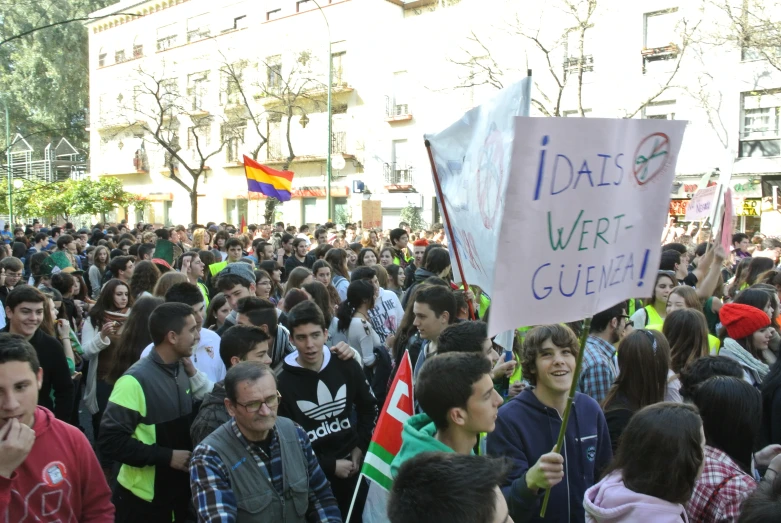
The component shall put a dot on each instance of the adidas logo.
(326, 428)
(327, 406)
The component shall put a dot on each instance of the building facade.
(191, 85)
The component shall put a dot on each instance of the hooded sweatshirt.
(417, 436)
(421, 275)
(610, 501)
(60, 480)
(334, 405)
(526, 429)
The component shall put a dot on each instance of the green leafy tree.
(411, 215)
(44, 74)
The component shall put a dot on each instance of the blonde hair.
(168, 280)
(199, 239)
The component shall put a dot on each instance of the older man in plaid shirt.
(257, 466)
(599, 371)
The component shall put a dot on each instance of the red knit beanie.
(742, 320)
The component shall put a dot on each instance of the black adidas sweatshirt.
(322, 403)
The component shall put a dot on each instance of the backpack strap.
(718, 488)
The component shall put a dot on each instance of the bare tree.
(160, 111)
(752, 25)
(563, 51)
(276, 98)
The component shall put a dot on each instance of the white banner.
(588, 201)
(472, 157)
(701, 205)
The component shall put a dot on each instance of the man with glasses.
(252, 467)
(598, 370)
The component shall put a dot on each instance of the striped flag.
(268, 181)
(386, 443)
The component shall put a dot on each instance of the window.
(169, 92)
(397, 105)
(660, 110)
(119, 57)
(138, 51)
(338, 69)
(240, 22)
(197, 88)
(102, 59)
(274, 74)
(300, 4)
(659, 28)
(759, 133)
(200, 134)
(166, 36)
(575, 113)
(233, 136)
(274, 14)
(198, 28)
(573, 59)
(235, 210)
(231, 86)
(274, 144)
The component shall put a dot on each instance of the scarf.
(736, 352)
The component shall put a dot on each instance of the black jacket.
(57, 382)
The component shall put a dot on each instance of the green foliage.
(44, 76)
(411, 215)
(62, 200)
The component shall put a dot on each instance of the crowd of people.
(237, 376)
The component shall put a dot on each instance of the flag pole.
(446, 216)
(572, 389)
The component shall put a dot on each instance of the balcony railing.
(397, 174)
(573, 64)
(339, 142)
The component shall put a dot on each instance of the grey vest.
(256, 498)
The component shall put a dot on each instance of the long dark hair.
(756, 268)
(660, 452)
(135, 337)
(337, 258)
(105, 302)
(320, 296)
(686, 331)
(215, 304)
(731, 411)
(643, 360)
(358, 293)
(276, 289)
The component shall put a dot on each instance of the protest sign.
(472, 159)
(699, 207)
(371, 214)
(727, 223)
(589, 200)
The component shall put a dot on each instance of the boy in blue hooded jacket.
(527, 428)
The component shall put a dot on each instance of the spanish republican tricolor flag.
(268, 181)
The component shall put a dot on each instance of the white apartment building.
(402, 69)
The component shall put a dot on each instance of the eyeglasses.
(629, 323)
(253, 406)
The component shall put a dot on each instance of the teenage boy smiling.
(527, 428)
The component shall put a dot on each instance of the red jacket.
(61, 479)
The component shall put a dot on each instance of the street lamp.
(8, 167)
(330, 144)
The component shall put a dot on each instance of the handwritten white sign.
(701, 205)
(472, 157)
(587, 203)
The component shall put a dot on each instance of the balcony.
(397, 174)
(656, 54)
(573, 64)
(340, 144)
(396, 112)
